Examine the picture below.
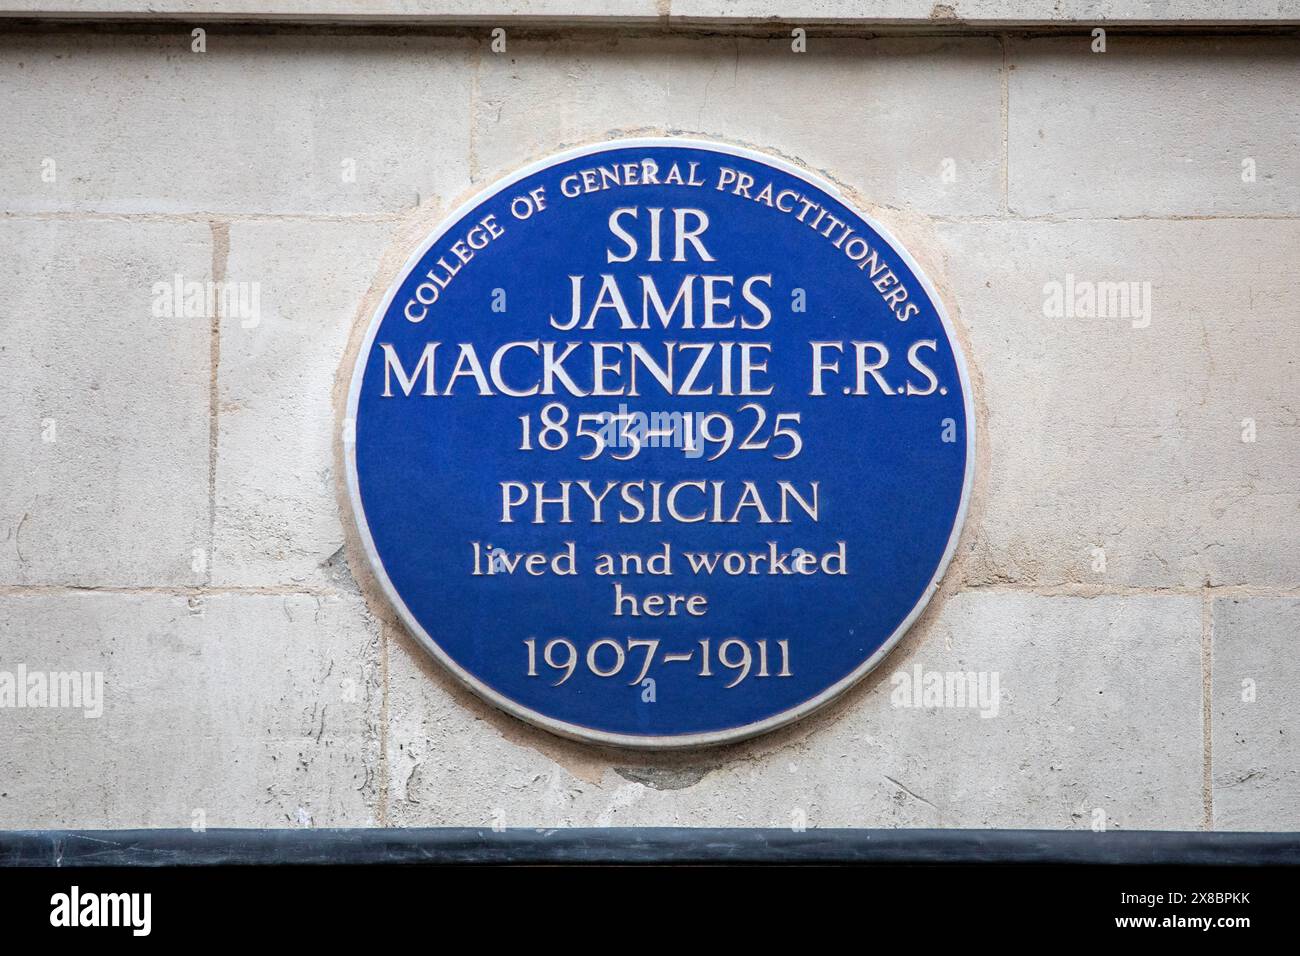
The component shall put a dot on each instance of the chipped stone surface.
(1256, 724)
(258, 710)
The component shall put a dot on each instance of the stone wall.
(170, 507)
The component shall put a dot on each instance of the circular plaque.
(659, 443)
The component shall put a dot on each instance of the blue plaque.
(660, 443)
